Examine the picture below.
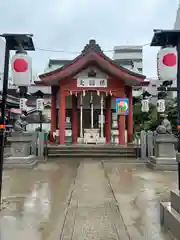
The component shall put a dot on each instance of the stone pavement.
(71, 200)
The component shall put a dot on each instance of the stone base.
(170, 214)
(80, 140)
(162, 163)
(20, 162)
(100, 141)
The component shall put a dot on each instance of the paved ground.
(69, 200)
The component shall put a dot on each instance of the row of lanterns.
(21, 65)
(161, 107)
(39, 104)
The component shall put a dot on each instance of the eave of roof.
(91, 53)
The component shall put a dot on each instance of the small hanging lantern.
(21, 65)
(161, 107)
(40, 104)
(145, 105)
(22, 104)
(167, 64)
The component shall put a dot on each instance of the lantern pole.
(13, 41)
(172, 38)
(3, 107)
(178, 104)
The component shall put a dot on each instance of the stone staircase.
(170, 214)
(92, 151)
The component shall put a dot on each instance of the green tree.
(150, 120)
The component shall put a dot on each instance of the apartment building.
(130, 57)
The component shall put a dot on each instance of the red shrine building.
(83, 99)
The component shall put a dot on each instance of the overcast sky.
(69, 24)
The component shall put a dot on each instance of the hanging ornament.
(21, 65)
(145, 105)
(161, 107)
(40, 104)
(167, 64)
(22, 104)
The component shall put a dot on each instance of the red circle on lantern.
(169, 60)
(20, 65)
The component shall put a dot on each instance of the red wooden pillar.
(122, 126)
(108, 120)
(62, 116)
(130, 115)
(53, 111)
(74, 120)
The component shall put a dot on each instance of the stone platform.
(165, 155)
(22, 151)
(170, 214)
(92, 151)
(20, 162)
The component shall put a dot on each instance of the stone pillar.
(53, 111)
(62, 116)
(130, 115)
(108, 120)
(74, 120)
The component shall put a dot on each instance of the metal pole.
(3, 108)
(178, 105)
(40, 121)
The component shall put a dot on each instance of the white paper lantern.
(167, 64)
(22, 104)
(21, 65)
(145, 105)
(40, 104)
(161, 106)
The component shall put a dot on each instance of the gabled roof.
(92, 55)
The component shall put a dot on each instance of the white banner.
(92, 82)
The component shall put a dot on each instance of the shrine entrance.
(91, 117)
(93, 81)
(87, 118)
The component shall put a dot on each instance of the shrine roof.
(92, 55)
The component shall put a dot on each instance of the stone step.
(91, 146)
(92, 150)
(162, 167)
(91, 154)
(109, 151)
(170, 218)
(175, 200)
(26, 162)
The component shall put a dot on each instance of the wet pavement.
(71, 200)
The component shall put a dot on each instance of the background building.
(130, 57)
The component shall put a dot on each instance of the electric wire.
(76, 52)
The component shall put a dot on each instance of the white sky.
(69, 24)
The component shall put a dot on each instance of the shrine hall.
(83, 99)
